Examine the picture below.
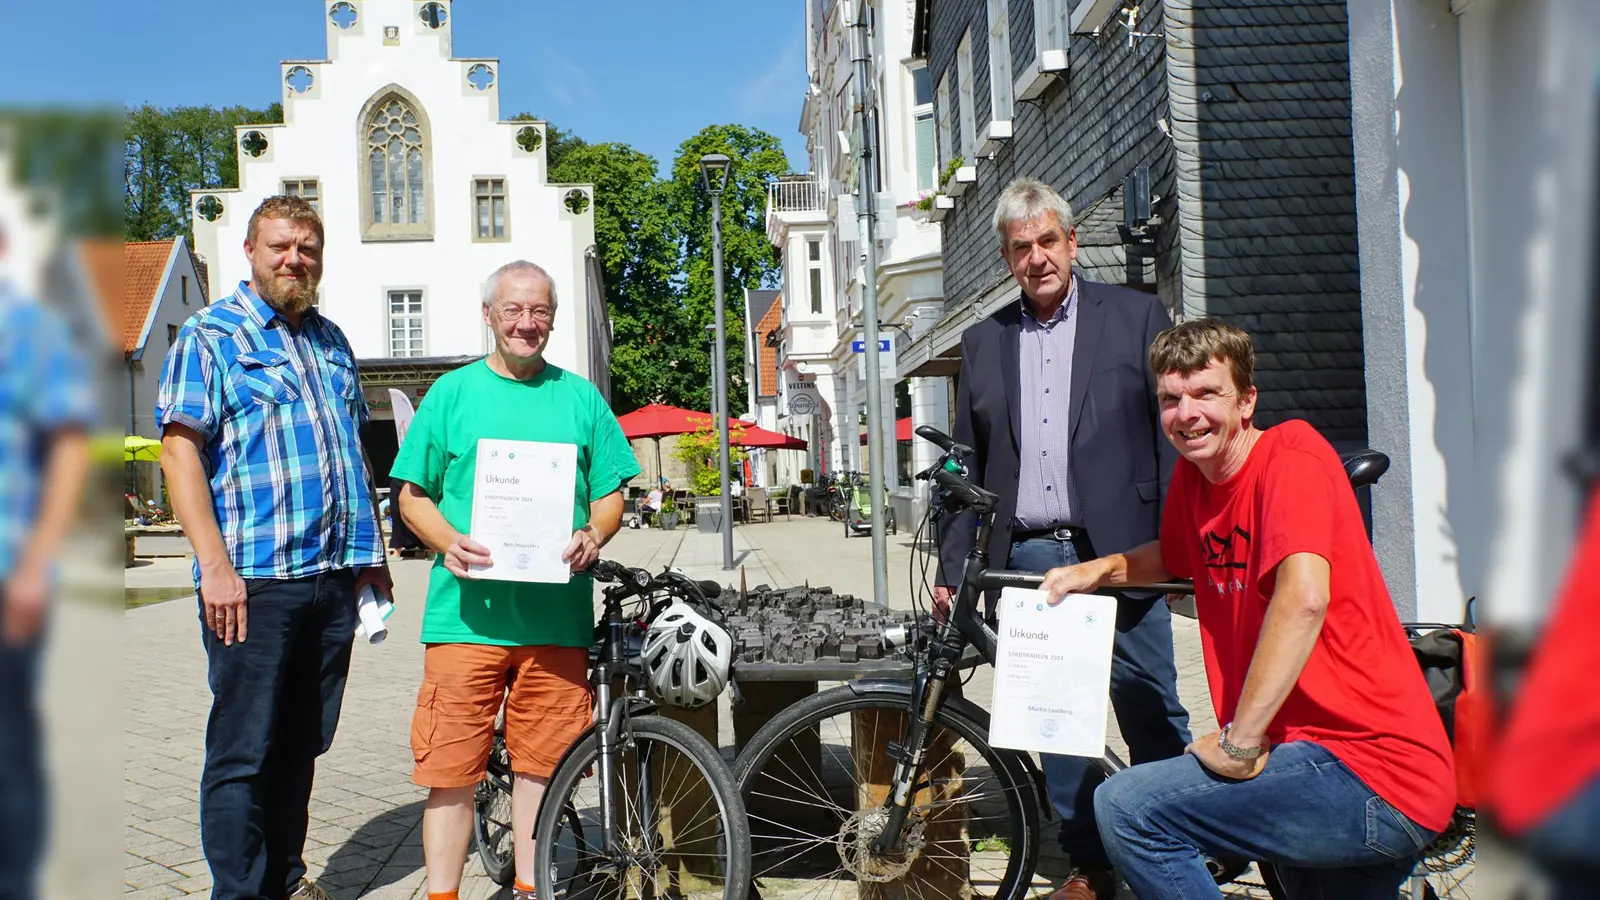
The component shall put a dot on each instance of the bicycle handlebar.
(640, 581)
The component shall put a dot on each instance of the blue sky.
(644, 72)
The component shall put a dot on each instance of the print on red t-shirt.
(1361, 694)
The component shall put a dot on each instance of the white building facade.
(812, 220)
(424, 192)
(1475, 171)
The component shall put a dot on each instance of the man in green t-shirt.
(491, 640)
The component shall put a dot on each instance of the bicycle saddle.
(1364, 467)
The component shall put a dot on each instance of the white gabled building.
(424, 192)
(823, 269)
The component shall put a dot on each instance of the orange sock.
(446, 895)
(516, 884)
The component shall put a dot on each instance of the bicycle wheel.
(491, 829)
(679, 824)
(814, 780)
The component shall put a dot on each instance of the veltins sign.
(801, 395)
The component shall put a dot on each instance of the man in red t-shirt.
(1334, 765)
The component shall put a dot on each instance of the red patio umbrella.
(659, 420)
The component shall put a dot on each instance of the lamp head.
(714, 172)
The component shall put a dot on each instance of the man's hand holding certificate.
(522, 510)
(1052, 673)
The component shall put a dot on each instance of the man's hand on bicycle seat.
(1078, 579)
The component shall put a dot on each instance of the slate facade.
(1241, 110)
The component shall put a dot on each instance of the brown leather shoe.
(309, 890)
(1088, 883)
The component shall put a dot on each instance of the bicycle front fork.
(927, 692)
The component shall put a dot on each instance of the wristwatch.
(1236, 752)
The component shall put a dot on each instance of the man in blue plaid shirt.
(46, 409)
(261, 409)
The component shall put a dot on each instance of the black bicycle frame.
(611, 712)
(966, 626)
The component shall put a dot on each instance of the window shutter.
(926, 155)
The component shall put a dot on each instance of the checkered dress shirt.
(280, 411)
(44, 386)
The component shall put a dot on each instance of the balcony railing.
(807, 195)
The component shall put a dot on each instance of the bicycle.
(936, 811)
(640, 805)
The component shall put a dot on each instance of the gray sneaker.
(309, 891)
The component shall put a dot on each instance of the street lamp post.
(714, 173)
(867, 214)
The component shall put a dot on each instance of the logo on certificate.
(1040, 607)
(1048, 728)
(524, 560)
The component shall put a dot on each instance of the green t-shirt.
(440, 456)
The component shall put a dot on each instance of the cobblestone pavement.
(365, 837)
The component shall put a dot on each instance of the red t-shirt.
(1551, 747)
(1361, 694)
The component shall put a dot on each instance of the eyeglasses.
(510, 314)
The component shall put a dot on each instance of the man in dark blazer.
(1058, 404)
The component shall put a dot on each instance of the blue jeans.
(275, 706)
(1566, 846)
(22, 777)
(1144, 694)
(1327, 834)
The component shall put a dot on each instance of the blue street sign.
(861, 346)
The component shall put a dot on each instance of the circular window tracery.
(529, 139)
(254, 143)
(299, 79)
(481, 77)
(343, 15)
(209, 208)
(576, 201)
(434, 15)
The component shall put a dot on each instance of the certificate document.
(1052, 673)
(522, 509)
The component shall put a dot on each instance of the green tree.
(169, 152)
(750, 260)
(698, 451)
(637, 237)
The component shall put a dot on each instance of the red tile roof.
(144, 264)
(767, 357)
(102, 261)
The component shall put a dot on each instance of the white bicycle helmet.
(687, 657)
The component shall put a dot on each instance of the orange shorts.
(546, 694)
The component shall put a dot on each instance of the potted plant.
(667, 516)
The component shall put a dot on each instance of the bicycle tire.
(1013, 784)
(582, 761)
(490, 834)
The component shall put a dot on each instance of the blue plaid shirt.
(280, 410)
(44, 386)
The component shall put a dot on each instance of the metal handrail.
(796, 196)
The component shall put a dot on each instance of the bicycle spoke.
(795, 856)
(821, 793)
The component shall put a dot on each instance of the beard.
(287, 295)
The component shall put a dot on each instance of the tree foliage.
(698, 451)
(169, 152)
(654, 240)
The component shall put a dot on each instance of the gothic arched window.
(396, 189)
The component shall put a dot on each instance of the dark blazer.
(1121, 462)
